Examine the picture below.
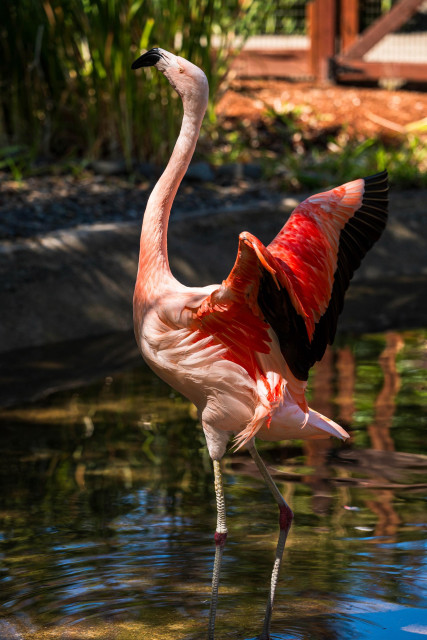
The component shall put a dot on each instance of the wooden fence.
(338, 45)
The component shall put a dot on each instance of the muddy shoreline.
(76, 283)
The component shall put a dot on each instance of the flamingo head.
(188, 80)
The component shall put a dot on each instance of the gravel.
(39, 205)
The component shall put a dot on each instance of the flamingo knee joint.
(286, 516)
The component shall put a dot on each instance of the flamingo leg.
(285, 521)
(220, 538)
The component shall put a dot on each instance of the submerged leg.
(285, 521)
(220, 538)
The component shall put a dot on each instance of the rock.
(200, 172)
(228, 173)
(252, 170)
(147, 170)
(109, 167)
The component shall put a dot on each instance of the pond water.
(107, 510)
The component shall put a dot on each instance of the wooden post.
(309, 18)
(349, 23)
(322, 16)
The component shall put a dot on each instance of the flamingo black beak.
(148, 59)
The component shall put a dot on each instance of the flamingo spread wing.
(296, 285)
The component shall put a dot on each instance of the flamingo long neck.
(153, 257)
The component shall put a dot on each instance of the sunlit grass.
(295, 157)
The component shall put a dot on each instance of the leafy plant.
(16, 159)
(66, 83)
(312, 159)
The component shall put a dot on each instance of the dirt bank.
(78, 282)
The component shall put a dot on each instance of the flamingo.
(241, 350)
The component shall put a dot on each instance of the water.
(107, 510)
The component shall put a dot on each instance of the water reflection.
(107, 510)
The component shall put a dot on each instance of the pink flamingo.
(241, 351)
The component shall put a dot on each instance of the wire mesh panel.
(363, 36)
(408, 43)
(371, 10)
(388, 41)
(282, 25)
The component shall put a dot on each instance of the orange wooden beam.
(352, 70)
(322, 15)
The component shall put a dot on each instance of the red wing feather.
(307, 246)
(297, 284)
(231, 313)
(320, 247)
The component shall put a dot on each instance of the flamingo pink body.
(241, 350)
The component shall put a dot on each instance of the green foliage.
(299, 156)
(282, 17)
(350, 159)
(66, 83)
(16, 159)
(313, 160)
(67, 91)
